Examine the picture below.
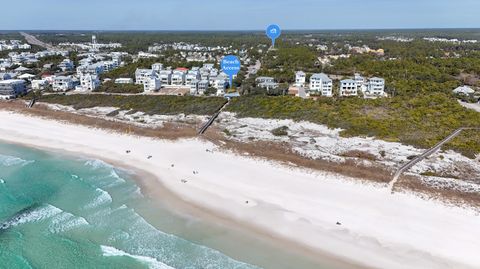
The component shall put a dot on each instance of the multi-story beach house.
(191, 76)
(88, 82)
(39, 84)
(66, 65)
(12, 88)
(348, 87)
(166, 77)
(361, 82)
(321, 84)
(143, 74)
(62, 84)
(157, 67)
(300, 79)
(178, 78)
(375, 88)
(151, 84)
(202, 86)
(193, 84)
(267, 83)
(92, 69)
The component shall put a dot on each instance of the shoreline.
(274, 196)
(153, 189)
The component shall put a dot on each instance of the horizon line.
(242, 30)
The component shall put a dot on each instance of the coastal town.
(23, 71)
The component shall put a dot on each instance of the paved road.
(424, 155)
(34, 41)
(474, 106)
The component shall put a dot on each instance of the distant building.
(465, 90)
(89, 82)
(166, 77)
(193, 84)
(92, 69)
(39, 84)
(12, 88)
(267, 83)
(361, 82)
(322, 84)
(157, 67)
(300, 79)
(141, 75)
(123, 81)
(178, 78)
(203, 86)
(191, 76)
(66, 65)
(375, 87)
(151, 84)
(348, 87)
(62, 84)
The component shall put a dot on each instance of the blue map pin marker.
(273, 32)
(231, 66)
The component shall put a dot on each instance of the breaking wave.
(102, 198)
(6, 160)
(151, 262)
(60, 221)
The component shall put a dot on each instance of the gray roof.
(321, 76)
(348, 81)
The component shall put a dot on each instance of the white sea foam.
(151, 262)
(6, 160)
(33, 216)
(96, 164)
(65, 222)
(102, 198)
(60, 221)
(99, 164)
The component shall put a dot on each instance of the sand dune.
(377, 229)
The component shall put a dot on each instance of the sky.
(236, 14)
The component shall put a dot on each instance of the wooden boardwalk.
(424, 155)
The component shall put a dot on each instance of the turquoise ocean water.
(58, 211)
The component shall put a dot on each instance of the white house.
(202, 86)
(193, 84)
(166, 77)
(322, 84)
(348, 87)
(464, 90)
(151, 84)
(157, 67)
(191, 76)
(123, 81)
(62, 84)
(300, 79)
(375, 87)
(361, 82)
(178, 78)
(92, 69)
(266, 83)
(143, 74)
(39, 84)
(89, 82)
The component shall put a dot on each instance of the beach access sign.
(231, 66)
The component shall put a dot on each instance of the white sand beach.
(377, 230)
